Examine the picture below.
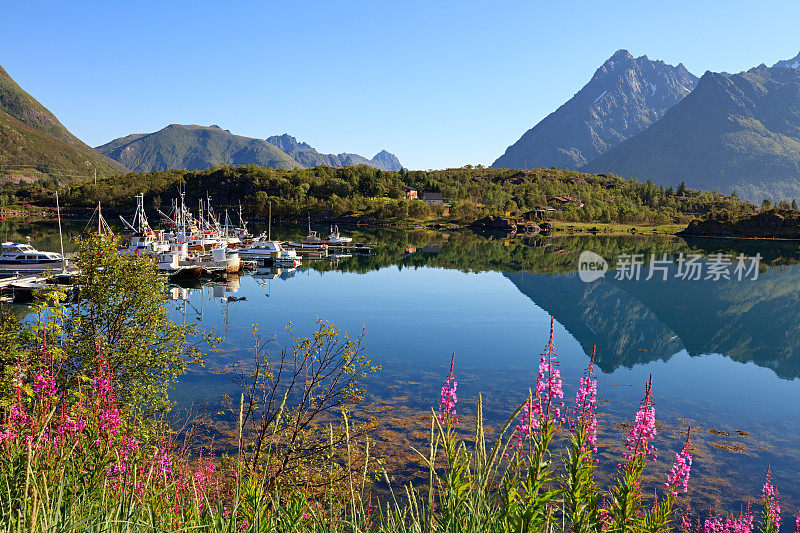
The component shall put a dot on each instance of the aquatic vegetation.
(70, 459)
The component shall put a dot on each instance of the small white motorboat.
(19, 257)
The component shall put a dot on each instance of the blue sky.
(440, 84)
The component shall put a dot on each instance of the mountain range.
(195, 147)
(624, 97)
(34, 144)
(308, 156)
(648, 120)
(732, 133)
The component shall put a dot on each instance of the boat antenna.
(60, 235)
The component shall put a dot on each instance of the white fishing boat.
(144, 241)
(219, 261)
(176, 263)
(268, 250)
(336, 238)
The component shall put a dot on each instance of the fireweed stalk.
(585, 410)
(448, 398)
(543, 407)
(678, 478)
(625, 501)
(580, 492)
(770, 518)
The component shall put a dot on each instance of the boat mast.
(60, 235)
(269, 224)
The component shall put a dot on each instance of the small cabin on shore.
(410, 192)
(563, 201)
(433, 198)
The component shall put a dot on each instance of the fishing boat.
(176, 263)
(270, 251)
(267, 251)
(144, 241)
(336, 238)
(220, 261)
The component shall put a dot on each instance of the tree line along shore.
(365, 195)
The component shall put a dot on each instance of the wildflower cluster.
(544, 407)
(585, 410)
(639, 441)
(678, 478)
(84, 436)
(448, 398)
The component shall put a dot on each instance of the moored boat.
(24, 257)
(270, 251)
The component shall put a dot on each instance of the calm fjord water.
(725, 355)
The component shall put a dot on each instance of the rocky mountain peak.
(788, 63)
(624, 97)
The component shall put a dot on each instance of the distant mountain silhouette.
(308, 156)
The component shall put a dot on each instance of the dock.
(20, 289)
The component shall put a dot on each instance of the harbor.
(183, 244)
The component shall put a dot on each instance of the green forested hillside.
(34, 144)
(192, 147)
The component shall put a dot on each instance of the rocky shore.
(773, 224)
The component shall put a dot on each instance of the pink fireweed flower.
(19, 418)
(644, 428)
(678, 477)
(44, 384)
(713, 524)
(544, 407)
(771, 500)
(203, 477)
(5, 436)
(103, 387)
(548, 384)
(797, 524)
(731, 524)
(585, 410)
(108, 414)
(162, 461)
(448, 398)
(529, 423)
(109, 421)
(127, 449)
